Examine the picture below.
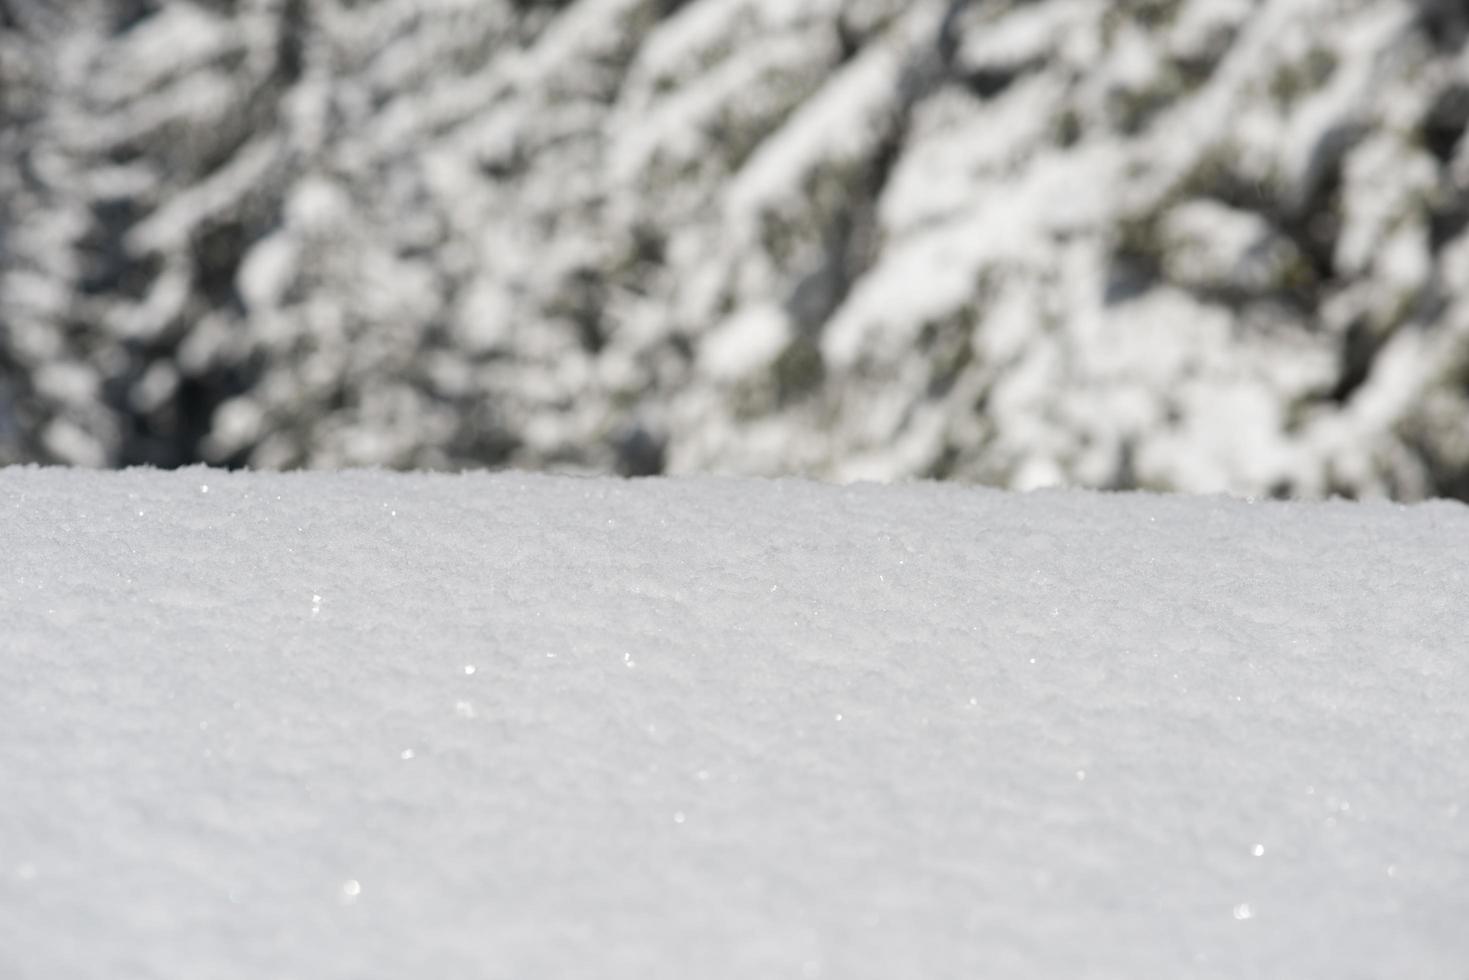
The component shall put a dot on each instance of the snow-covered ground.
(383, 726)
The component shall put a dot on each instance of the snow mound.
(372, 725)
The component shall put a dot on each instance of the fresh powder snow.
(366, 725)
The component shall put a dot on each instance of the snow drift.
(367, 725)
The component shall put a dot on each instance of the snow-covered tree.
(1191, 244)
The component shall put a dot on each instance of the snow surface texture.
(373, 725)
(1192, 244)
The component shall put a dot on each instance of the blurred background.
(1196, 245)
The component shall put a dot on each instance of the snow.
(370, 725)
(750, 339)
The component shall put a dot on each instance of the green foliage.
(1293, 80)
